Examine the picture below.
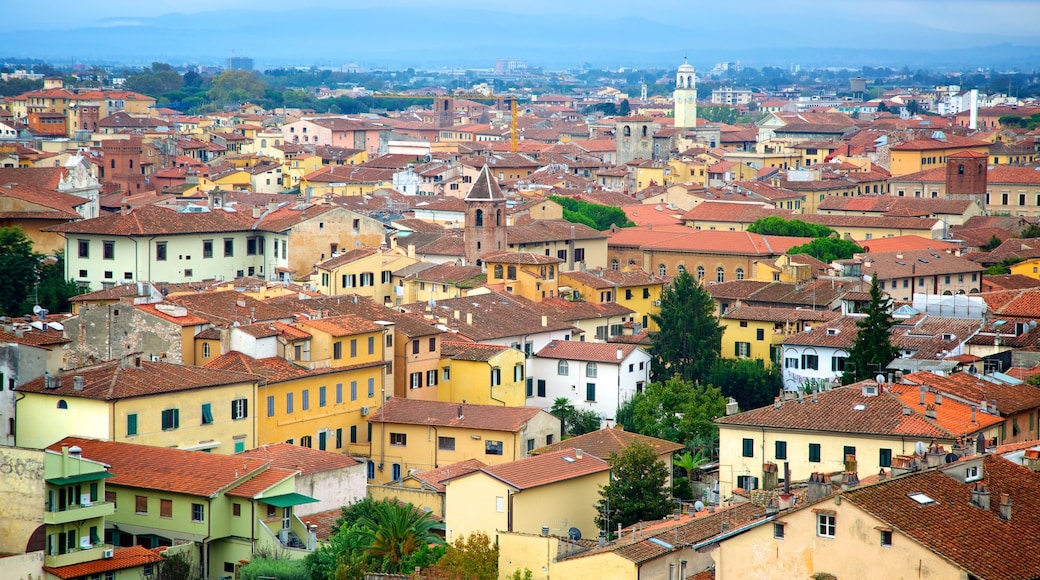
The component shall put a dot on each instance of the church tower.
(485, 218)
(685, 97)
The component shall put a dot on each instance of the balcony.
(76, 556)
(78, 513)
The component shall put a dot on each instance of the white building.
(593, 375)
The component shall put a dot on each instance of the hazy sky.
(1018, 20)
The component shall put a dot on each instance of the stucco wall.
(109, 332)
(334, 489)
(23, 491)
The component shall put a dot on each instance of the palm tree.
(563, 410)
(688, 462)
(392, 531)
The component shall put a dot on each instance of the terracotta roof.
(325, 522)
(166, 469)
(494, 316)
(255, 486)
(485, 187)
(601, 352)
(470, 351)
(952, 527)
(951, 141)
(522, 258)
(551, 230)
(407, 324)
(605, 441)
(187, 320)
(115, 293)
(33, 337)
(836, 411)
(907, 243)
(544, 469)
(724, 211)
(719, 242)
(418, 412)
(122, 559)
(1009, 399)
(861, 221)
(342, 325)
(910, 263)
(950, 413)
(766, 314)
(346, 258)
(228, 307)
(154, 220)
(110, 381)
(435, 478)
(276, 369)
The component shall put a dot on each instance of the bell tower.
(685, 97)
(485, 218)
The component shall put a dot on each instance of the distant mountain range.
(430, 37)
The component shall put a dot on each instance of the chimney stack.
(980, 496)
(819, 486)
(469, 318)
(938, 398)
(929, 411)
(1005, 507)
(578, 453)
(545, 320)
(923, 390)
(460, 411)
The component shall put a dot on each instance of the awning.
(287, 500)
(96, 476)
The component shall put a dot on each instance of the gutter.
(731, 533)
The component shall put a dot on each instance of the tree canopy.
(20, 267)
(873, 349)
(678, 411)
(594, 215)
(474, 557)
(778, 226)
(748, 381)
(636, 491)
(689, 336)
(827, 249)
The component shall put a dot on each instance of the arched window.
(644, 130)
(615, 265)
(627, 131)
(960, 169)
(720, 274)
(263, 143)
(478, 218)
(590, 370)
(740, 273)
(62, 404)
(662, 270)
(552, 273)
(511, 272)
(205, 350)
(681, 268)
(498, 218)
(498, 271)
(562, 368)
(631, 263)
(700, 273)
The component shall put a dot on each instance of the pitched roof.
(466, 416)
(603, 442)
(522, 258)
(111, 380)
(255, 486)
(342, 325)
(843, 410)
(720, 242)
(1009, 399)
(485, 187)
(470, 351)
(165, 468)
(601, 352)
(435, 478)
(154, 220)
(494, 315)
(952, 527)
(544, 469)
(122, 559)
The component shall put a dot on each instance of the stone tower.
(685, 97)
(966, 176)
(485, 218)
(443, 112)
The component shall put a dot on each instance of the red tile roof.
(601, 352)
(605, 441)
(1008, 398)
(544, 469)
(470, 351)
(252, 488)
(166, 469)
(154, 220)
(122, 559)
(111, 380)
(435, 478)
(467, 416)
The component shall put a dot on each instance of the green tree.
(341, 554)
(872, 350)
(827, 249)
(594, 215)
(678, 411)
(563, 409)
(391, 532)
(913, 107)
(280, 568)
(175, 567)
(474, 557)
(20, 267)
(778, 226)
(748, 381)
(993, 243)
(689, 336)
(688, 462)
(636, 491)
(54, 289)
(584, 421)
(236, 87)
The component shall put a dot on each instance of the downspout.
(137, 272)
(437, 444)
(491, 390)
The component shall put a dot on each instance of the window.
(322, 398)
(353, 433)
(306, 441)
(415, 347)
(518, 372)
(740, 273)
(825, 525)
(371, 388)
(492, 447)
(305, 400)
(165, 508)
(415, 379)
(236, 509)
(814, 452)
(207, 248)
(496, 376)
(288, 402)
(353, 348)
(846, 451)
(371, 345)
(590, 370)
(511, 272)
(337, 350)
(885, 458)
(160, 251)
(590, 391)
(207, 413)
(720, 274)
(781, 449)
(323, 439)
(353, 390)
(838, 364)
(229, 247)
(742, 349)
(131, 424)
(760, 334)
(541, 388)
(140, 504)
(748, 447)
(778, 531)
(431, 378)
(400, 439)
(108, 250)
(198, 512)
(790, 363)
(171, 419)
(886, 538)
(446, 374)
(810, 361)
(446, 443)
(84, 248)
(562, 368)
(239, 409)
(205, 350)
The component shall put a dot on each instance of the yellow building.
(818, 432)
(904, 527)
(921, 154)
(143, 402)
(557, 490)
(365, 272)
(423, 281)
(757, 333)
(413, 435)
(1030, 267)
(526, 274)
(631, 288)
(650, 173)
(481, 374)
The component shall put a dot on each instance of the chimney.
(137, 362)
(973, 417)
(460, 411)
(1005, 507)
(1032, 459)
(819, 486)
(923, 390)
(882, 476)
(457, 314)
(469, 318)
(938, 398)
(770, 475)
(849, 480)
(929, 411)
(545, 531)
(980, 496)
(77, 383)
(732, 408)
(578, 453)
(545, 321)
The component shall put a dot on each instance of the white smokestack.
(973, 103)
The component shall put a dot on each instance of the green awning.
(96, 476)
(287, 500)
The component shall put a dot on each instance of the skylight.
(859, 407)
(661, 543)
(569, 459)
(920, 498)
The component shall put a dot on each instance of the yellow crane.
(514, 133)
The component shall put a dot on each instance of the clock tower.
(685, 97)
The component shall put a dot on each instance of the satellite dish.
(880, 378)
(920, 448)
(698, 506)
(574, 534)
(951, 457)
(37, 309)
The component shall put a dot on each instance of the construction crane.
(514, 132)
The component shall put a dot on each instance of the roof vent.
(77, 383)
